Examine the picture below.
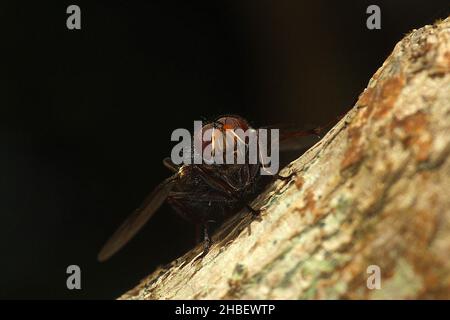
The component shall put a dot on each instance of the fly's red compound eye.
(213, 134)
(232, 123)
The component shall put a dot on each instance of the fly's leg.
(167, 162)
(285, 178)
(206, 240)
(256, 213)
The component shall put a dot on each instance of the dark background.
(86, 116)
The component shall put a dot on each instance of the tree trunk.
(375, 191)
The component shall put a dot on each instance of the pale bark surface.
(374, 191)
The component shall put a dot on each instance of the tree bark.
(375, 191)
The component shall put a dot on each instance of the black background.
(86, 115)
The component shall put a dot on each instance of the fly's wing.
(137, 220)
(295, 139)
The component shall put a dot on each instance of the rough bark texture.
(374, 191)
